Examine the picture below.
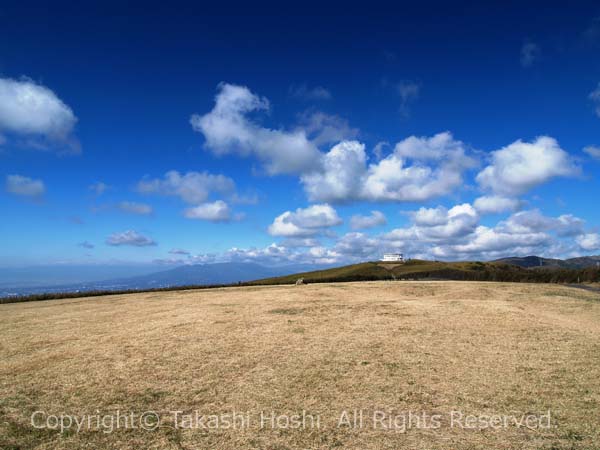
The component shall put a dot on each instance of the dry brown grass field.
(431, 365)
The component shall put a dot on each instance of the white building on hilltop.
(393, 257)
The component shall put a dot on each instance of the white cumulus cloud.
(228, 129)
(30, 109)
(442, 223)
(305, 221)
(491, 241)
(521, 166)
(534, 221)
(341, 177)
(495, 204)
(589, 241)
(419, 169)
(432, 227)
(523, 233)
(356, 245)
(270, 255)
(456, 233)
(360, 222)
(217, 211)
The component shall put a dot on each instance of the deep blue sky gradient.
(133, 75)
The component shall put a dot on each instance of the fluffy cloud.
(341, 177)
(305, 222)
(456, 233)
(295, 242)
(25, 186)
(522, 166)
(227, 129)
(195, 188)
(276, 254)
(135, 208)
(356, 245)
(360, 222)
(430, 217)
(442, 223)
(534, 221)
(303, 92)
(490, 242)
(445, 233)
(590, 241)
(272, 254)
(530, 53)
(188, 259)
(495, 204)
(523, 233)
(448, 233)
(418, 169)
(217, 211)
(593, 151)
(86, 244)
(192, 187)
(30, 109)
(130, 237)
(595, 97)
(433, 227)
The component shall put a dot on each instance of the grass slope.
(420, 269)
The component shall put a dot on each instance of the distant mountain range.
(234, 272)
(217, 273)
(197, 274)
(534, 262)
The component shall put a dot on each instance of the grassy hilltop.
(438, 270)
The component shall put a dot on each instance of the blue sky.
(197, 133)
